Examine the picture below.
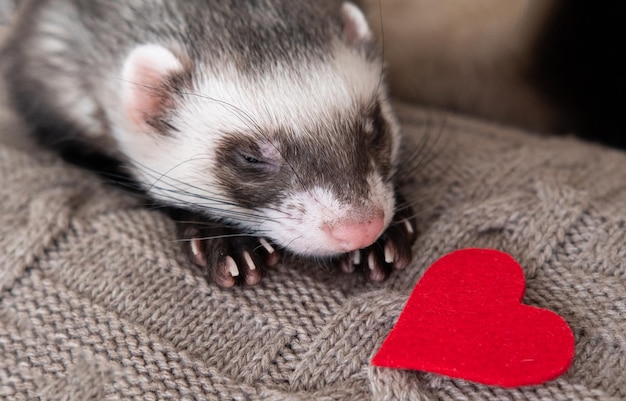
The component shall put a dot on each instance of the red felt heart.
(465, 319)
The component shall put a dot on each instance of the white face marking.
(181, 169)
(282, 99)
(300, 222)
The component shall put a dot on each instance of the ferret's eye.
(250, 159)
(255, 161)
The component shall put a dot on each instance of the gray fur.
(94, 36)
(65, 64)
(67, 53)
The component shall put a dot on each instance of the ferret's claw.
(226, 256)
(347, 264)
(375, 267)
(269, 248)
(408, 226)
(390, 252)
(231, 265)
(197, 251)
(356, 257)
(248, 259)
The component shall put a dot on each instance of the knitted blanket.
(96, 302)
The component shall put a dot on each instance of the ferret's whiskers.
(426, 150)
(212, 237)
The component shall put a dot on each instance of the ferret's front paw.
(226, 256)
(392, 251)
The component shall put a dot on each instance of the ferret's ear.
(356, 30)
(146, 73)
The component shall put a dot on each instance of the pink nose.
(352, 236)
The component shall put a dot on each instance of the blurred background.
(547, 65)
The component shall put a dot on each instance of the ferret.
(263, 125)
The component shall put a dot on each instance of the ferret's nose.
(352, 236)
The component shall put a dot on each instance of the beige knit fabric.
(97, 304)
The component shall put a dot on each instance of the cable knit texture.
(97, 303)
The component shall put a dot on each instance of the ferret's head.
(301, 151)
